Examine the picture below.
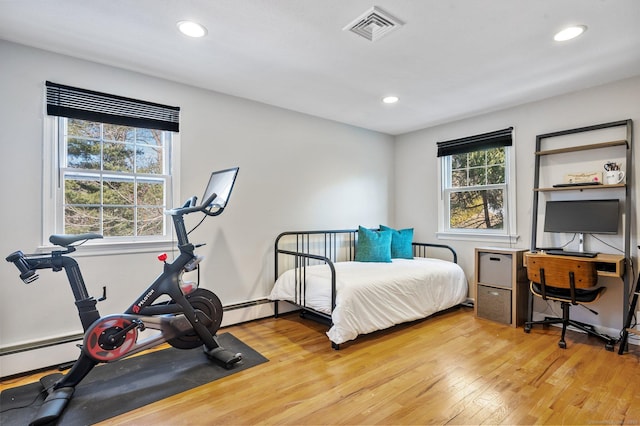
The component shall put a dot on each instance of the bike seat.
(67, 240)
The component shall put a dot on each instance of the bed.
(331, 276)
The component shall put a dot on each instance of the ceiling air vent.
(373, 24)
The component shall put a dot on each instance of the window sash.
(101, 175)
(448, 189)
(447, 199)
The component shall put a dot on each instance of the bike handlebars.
(27, 274)
(189, 207)
(191, 202)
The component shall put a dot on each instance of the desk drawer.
(494, 304)
(495, 269)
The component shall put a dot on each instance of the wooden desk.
(607, 265)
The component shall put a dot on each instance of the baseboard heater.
(40, 344)
(59, 350)
(247, 304)
(75, 337)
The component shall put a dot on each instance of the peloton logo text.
(141, 303)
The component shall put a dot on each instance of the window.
(475, 189)
(110, 167)
(476, 186)
(114, 180)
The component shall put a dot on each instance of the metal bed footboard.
(307, 248)
(301, 262)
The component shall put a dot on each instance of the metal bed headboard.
(306, 248)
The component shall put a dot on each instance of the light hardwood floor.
(448, 369)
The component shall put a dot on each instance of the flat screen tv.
(582, 216)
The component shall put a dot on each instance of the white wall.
(417, 167)
(296, 172)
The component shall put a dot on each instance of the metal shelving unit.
(626, 144)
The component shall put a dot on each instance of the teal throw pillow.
(373, 246)
(401, 240)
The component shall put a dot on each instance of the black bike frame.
(178, 320)
(166, 283)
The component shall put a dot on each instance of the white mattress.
(374, 296)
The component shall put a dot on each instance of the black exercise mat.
(113, 389)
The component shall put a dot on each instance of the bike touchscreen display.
(220, 183)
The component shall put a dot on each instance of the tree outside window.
(475, 189)
(115, 179)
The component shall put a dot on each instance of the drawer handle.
(497, 259)
(494, 293)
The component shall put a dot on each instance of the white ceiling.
(452, 58)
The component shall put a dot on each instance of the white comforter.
(375, 296)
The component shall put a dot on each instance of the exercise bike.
(185, 316)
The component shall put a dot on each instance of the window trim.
(506, 235)
(51, 204)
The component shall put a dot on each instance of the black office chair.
(570, 281)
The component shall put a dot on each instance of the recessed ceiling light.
(570, 33)
(390, 99)
(192, 29)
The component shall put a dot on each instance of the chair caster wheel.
(563, 345)
(527, 330)
(609, 347)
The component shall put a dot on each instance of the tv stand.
(581, 242)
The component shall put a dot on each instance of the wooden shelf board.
(580, 188)
(582, 147)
